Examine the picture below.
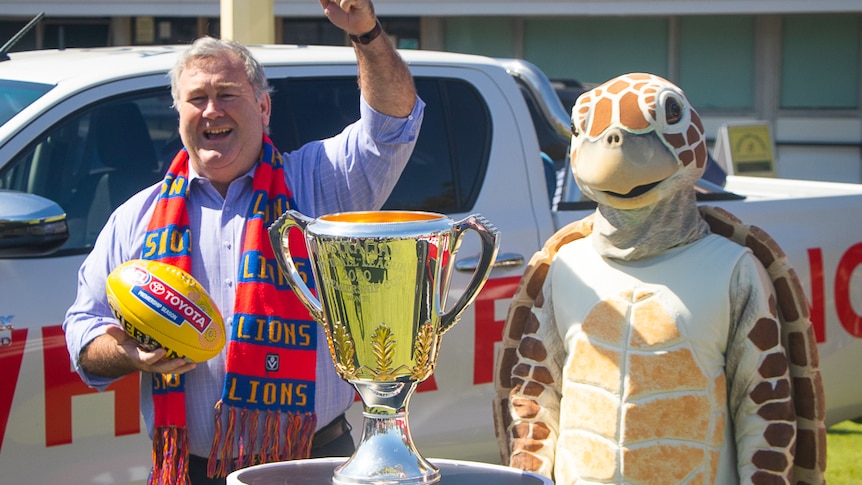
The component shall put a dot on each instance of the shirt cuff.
(94, 381)
(391, 129)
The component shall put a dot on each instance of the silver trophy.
(382, 279)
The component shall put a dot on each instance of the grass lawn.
(844, 453)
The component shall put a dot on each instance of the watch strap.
(367, 37)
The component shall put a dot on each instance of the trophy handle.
(490, 244)
(278, 236)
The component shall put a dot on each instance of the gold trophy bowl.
(382, 278)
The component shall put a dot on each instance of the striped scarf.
(266, 412)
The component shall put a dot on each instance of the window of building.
(312, 31)
(597, 49)
(9, 28)
(62, 34)
(487, 36)
(164, 30)
(57, 33)
(716, 61)
(820, 61)
(404, 31)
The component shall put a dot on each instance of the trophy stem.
(386, 454)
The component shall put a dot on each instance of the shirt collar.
(193, 174)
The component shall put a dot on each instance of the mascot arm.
(534, 402)
(760, 405)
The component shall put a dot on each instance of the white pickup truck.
(80, 129)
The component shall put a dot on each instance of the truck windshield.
(17, 95)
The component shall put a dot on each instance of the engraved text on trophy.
(382, 327)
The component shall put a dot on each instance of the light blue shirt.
(354, 170)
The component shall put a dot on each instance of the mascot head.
(636, 140)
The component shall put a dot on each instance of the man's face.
(221, 122)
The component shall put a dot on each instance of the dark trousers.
(341, 445)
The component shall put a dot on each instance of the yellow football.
(161, 305)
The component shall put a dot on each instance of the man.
(223, 101)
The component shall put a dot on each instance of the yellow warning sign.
(751, 149)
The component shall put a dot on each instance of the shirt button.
(227, 245)
(228, 282)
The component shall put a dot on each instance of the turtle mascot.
(655, 341)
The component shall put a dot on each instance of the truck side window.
(92, 161)
(448, 164)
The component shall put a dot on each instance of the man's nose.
(212, 108)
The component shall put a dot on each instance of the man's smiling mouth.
(216, 133)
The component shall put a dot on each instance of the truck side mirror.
(30, 225)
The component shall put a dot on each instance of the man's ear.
(265, 109)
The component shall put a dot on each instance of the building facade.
(793, 64)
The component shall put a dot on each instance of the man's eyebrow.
(228, 84)
(219, 86)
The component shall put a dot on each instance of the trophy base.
(386, 454)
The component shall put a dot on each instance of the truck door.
(477, 153)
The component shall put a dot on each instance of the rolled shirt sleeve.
(356, 169)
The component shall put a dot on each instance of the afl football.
(160, 305)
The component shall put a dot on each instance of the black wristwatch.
(367, 37)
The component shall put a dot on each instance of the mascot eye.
(574, 129)
(672, 111)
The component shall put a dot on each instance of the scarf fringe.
(170, 456)
(286, 436)
(211, 463)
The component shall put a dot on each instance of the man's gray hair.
(210, 47)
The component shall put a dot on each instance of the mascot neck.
(630, 235)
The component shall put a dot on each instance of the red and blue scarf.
(266, 412)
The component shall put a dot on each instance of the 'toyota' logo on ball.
(167, 301)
